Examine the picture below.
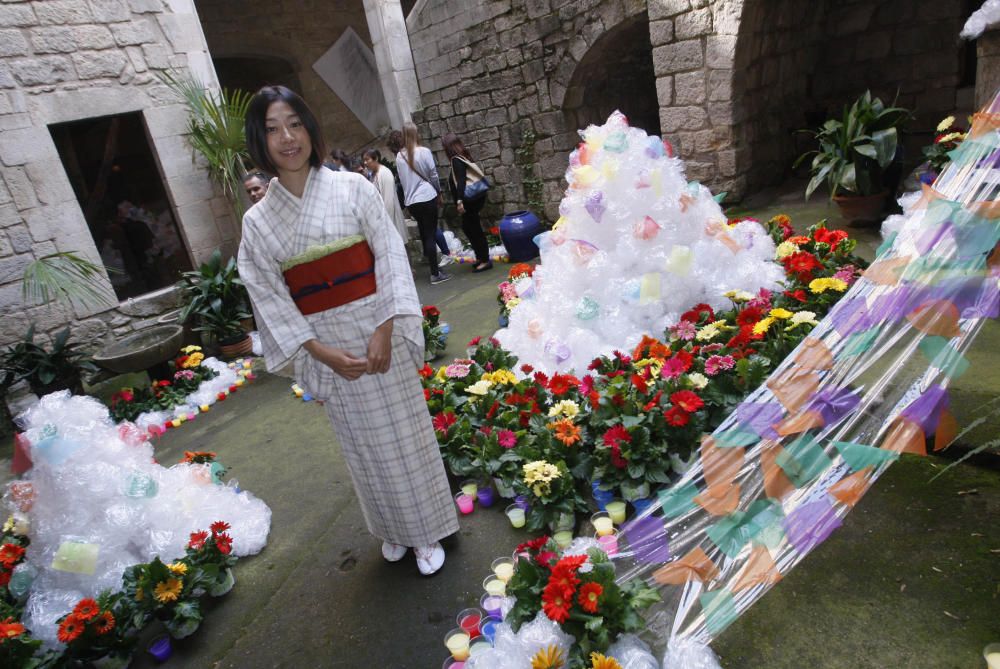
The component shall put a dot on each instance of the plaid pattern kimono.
(381, 420)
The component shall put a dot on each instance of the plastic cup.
(489, 627)
(485, 495)
(470, 488)
(491, 605)
(494, 586)
(479, 645)
(616, 509)
(563, 538)
(503, 567)
(464, 502)
(161, 648)
(608, 542)
(452, 663)
(522, 502)
(468, 620)
(992, 655)
(602, 523)
(516, 515)
(457, 643)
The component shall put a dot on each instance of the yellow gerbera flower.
(168, 591)
(190, 349)
(780, 313)
(738, 295)
(802, 317)
(698, 381)
(762, 325)
(441, 375)
(548, 658)
(784, 250)
(945, 123)
(178, 568)
(512, 302)
(9, 525)
(598, 661)
(480, 387)
(567, 408)
(829, 283)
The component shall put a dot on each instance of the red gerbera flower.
(615, 435)
(198, 539)
(749, 316)
(533, 545)
(541, 379)
(219, 526)
(571, 562)
(426, 371)
(427, 394)
(10, 554)
(474, 341)
(10, 628)
(697, 312)
(70, 628)
(802, 265)
(4, 577)
(639, 383)
(431, 310)
(799, 295)
(831, 237)
(565, 579)
(545, 558)
(86, 609)
(677, 417)
(224, 543)
(443, 421)
(560, 384)
(527, 369)
(556, 603)
(589, 594)
(616, 457)
(104, 623)
(653, 402)
(687, 400)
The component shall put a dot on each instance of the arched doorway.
(616, 73)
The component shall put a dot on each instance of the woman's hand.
(460, 206)
(339, 360)
(380, 349)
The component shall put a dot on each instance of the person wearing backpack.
(469, 187)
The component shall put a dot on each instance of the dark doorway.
(616, 73)
(116, 181)
(249, 73)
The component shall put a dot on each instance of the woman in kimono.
(382, 179)
(333, 294)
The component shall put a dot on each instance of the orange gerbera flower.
(10, 628)
(86, 609)
(104, 623)
(548, 658)
(555, 603)
(589, 594)
(565, 431)
(650, 347)
(70, 628)
(598, 661)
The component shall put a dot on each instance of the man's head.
(256, 186)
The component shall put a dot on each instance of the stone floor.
(911, 580)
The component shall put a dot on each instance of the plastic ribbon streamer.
(871, 382)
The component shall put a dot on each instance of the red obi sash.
(335, 279)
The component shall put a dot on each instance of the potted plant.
(46, 370)
(854, 154)
(215, 297)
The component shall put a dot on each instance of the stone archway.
(616, 73)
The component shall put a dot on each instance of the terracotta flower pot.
(861, 210)
(242, 347)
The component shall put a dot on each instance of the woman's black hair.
(374, 154)
(256, 126)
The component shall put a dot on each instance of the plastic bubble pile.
(95, 503)
(636, 244)
(778, 476)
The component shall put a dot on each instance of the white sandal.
(429, 558)
(393, 552)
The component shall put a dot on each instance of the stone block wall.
(67, 60)
(297, 33)
(988, 67)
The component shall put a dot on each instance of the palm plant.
(67, 277)
(215, 130)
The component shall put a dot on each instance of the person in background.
(382, 177)
(256, 184)
(333, 293)
(418, 174)
(338, 160)
(394, 143)
(461, 160)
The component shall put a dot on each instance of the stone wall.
(988, 65)
(67, 60)
(298, 35)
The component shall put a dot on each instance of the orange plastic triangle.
(800, 422)
(719, 500)
(814, 354)
(777, 485)
(905, 436)
(947, 430)
(695, 566)
(936, 317)
(886, 272)
(721, 466)
(986, 208)
(759, 569)
(929, 195)
(850, 489)
(983, 123)
(793, 387)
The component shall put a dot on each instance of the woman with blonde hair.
(419, 177)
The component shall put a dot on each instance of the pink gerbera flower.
(683, 330)
(507, 438)
(718, 363)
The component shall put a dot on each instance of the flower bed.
(634, 418)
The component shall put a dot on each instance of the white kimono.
(381, 420)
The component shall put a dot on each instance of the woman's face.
(288, 143)
(371, 163)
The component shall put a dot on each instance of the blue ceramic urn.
(517, 231)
